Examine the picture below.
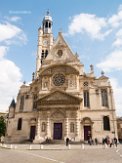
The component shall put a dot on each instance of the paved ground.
(61, 154)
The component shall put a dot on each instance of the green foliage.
(2, 126)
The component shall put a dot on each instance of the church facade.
(62, 100)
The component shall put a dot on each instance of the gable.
(61, 52)
(58, 97)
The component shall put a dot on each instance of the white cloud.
(3, 50)
(118, 40)
(10, 74)
(117, 90)
(10, 81)
(116, 19)
(90, 24)
(9, 31)
(112, 62)
(96, 27)
(12, 18)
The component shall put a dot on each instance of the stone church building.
(62, 99)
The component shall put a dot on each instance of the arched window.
(42, 54)
(106, 123)
(104, 97)
(46, 53)
(46, 25)
(86, 98)
(72, 127)
(22, 103)
(49, 25)
(19, 125)
(43, 127)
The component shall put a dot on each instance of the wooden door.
(57, 134)
(32, 132)
(87, 132)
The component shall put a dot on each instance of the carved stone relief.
(45, 83)
(72, 82)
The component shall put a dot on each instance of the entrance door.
(57, 134)
(32, 132)
(87, 132)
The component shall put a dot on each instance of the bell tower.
(45, 41)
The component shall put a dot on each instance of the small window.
(85, 84)
(46, 25)
(27, 96)
(43, 127)
(106, 123)
(42, 53)
(49, 25)
(34, 105)
(72, 127)
(46, 53)
(19, 125)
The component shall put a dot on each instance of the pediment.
(61, 52)
(59, 98)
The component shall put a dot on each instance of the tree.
(2, 126)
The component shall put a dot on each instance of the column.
(67, 125)
(77, 126)
(38, 131)
(38, 126)
(48, 125)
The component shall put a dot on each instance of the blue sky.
(92, 28)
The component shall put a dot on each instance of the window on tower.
(46, 25)
(42, 53)
(49, 25)
(46, 53)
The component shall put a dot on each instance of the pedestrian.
(96, 141)
(2, 139)
(67, 141)
(115, 141)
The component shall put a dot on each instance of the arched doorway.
(57, 125)
(87, 128)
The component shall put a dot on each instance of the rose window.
(58, 79)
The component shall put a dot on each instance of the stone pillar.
(77, 127)
(48, 125)
(67, 125)
(38, 138)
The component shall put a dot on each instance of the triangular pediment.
(61, 52)
(58, 97)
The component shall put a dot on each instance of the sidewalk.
(52, 146)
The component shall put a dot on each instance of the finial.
(102, 73)
(33, 76)
(48, 12)
(60, 30)
(92, 68)
(24, 82)
(76, 54)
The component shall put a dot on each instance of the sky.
(92, 28)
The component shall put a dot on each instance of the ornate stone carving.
(59, 98)
(57, 115)
(58, 79)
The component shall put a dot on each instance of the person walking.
(67, 141)
(115, 141)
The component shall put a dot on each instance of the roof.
(13, 104)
